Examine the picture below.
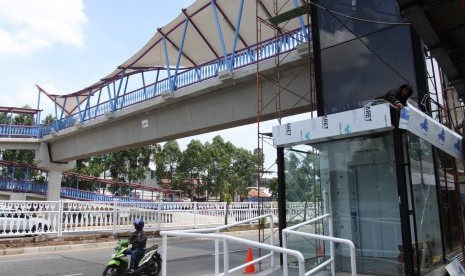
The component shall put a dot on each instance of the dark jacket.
(138, 239)
(394, 97)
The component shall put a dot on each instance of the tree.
(297, 177)
(167, 160)
(302, 174)
(21, 156)
(192, 164)
(244, 167)
(273, 186)
(218, 165)
(49, 119)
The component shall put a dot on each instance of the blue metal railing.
(19, 131)
(40, 188)
(268, 49)
(23, 186)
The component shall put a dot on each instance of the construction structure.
(386, 181)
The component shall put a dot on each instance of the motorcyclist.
(138, 241)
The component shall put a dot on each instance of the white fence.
(22, 218)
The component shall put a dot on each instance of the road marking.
(74, 274)
(22, 260)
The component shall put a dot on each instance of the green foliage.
(167, 162)
(302, 177)
(48, 119)
(19, 156)
(273, 186)
(126, 166)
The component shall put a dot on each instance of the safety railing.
(206, 234)
(291, 231)
(17, 218)
(19, 131)
(22, 186)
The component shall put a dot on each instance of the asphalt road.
(185, 257)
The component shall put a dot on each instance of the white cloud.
(25, 93)
(29, 25)
(355, 57)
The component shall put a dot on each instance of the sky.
(65, 46)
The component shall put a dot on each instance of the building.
(390, 179)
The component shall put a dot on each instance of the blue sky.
(65, 46)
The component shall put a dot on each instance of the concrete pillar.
(54, 185)
(55, 171)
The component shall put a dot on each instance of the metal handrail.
(224, 227)
(226, 239)
(290, 231)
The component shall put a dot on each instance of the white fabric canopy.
(202, 42)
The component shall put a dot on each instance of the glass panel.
(449, 203)
(423, 188)
(360, 178)
(303, 200)
(361, 60)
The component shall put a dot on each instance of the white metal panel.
(335, 126)
(430, 130)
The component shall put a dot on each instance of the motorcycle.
(149, 262)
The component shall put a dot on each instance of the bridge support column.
(54, 171)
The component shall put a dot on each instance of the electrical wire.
(360, 19)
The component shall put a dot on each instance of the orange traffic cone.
(319, 251)
(250, 269)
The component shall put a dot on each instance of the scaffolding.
(276, 21)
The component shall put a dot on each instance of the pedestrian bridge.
(207, 98)
(197, 74)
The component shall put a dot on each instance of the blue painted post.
(218, 27)
(38, 106)
(27, 179)
(167, 64)
(81, 119)
(179, 55)
(143, 83)
(63, 110)
(98, 102)
(115, 104)
(109, 97)
(11, 125)
(13, 176)
(77, 183)
(236, 35)
(301, 20)
(155, 84)
(87, 111)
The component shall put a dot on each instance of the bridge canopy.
(203, 32)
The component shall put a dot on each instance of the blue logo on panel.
(424, 125)
(307, 135)
(457, 145)
(404, 114)
(347, 129)
(442, 136)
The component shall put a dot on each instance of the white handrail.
(225, 239)
(223, 227)
(290, 230)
